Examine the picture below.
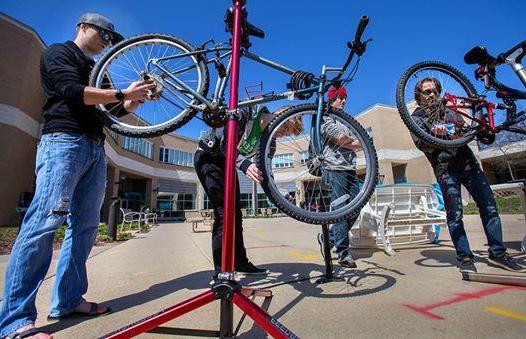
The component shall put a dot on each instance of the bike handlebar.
(501, 58)
(357, 46)
(361, 27)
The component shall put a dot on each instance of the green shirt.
(251, 142)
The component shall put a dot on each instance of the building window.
(304, 155)
(246, 200)
(282, 161)
(263, 200)
(139, 146)
(206, 202)
(176, 157)
(185, 201)
(164, 203)
(176, 202)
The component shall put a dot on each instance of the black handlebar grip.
(361, 27)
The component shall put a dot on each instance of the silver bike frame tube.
(275, 97)
(517, 67)
(204, 51)
(268, 62)
(183, 85)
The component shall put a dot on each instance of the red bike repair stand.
(226, 288)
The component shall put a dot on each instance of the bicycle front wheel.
(130, 61)
(317, 187)
(437, 104)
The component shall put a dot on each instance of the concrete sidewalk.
(418, 293)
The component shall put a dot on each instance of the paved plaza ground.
(418, 293)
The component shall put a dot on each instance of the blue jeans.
(342, 183)
(475, 182)
(71, 181)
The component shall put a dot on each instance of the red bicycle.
(441, 106)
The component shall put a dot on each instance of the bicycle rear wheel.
(439, 95)
(303, 184)
(130, 61)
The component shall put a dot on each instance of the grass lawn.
(505, 206)
(8, 236)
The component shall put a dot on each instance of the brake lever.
(358, 46)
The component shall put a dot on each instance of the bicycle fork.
(316, 125)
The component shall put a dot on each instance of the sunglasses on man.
(105, 36)
(429, 91)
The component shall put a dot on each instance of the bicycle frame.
(217, 102)
(219, 91)
(486, 72)
(490, 107)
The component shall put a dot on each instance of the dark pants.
(211, 172)
(475, 182)
(342, 183)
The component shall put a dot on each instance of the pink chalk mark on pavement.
(460, 297)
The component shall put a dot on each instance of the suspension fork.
(316, 133)
(316, 128)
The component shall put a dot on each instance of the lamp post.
(115, 201)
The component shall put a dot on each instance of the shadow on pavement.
(347, 283)
(301, 276)
(440, 258)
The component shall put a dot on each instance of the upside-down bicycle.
(470, 115)
(180, 72)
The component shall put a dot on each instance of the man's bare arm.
(136, 91)
(345, 141)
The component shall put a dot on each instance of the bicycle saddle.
(250, 29)
(479, 55)
(255, 31)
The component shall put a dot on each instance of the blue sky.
(307, 34)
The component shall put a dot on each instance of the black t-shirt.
(442, 160)
(65, 72)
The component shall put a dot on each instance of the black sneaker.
(506, 262)
(347, 261)
(321, 242)
(467, 264)
(250, 269)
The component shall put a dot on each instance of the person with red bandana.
(339, 173)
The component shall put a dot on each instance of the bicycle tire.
(406, 116)
(172, 124)
(296, 212)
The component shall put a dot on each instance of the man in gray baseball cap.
(70, 185)
(102, 23)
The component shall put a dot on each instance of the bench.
(396, 215)
(206, 220)
(149, 217)
(129, 217)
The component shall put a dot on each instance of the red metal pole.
(229, 207)
(165, 315)
(260, 317)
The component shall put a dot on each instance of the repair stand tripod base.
(229, 293)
